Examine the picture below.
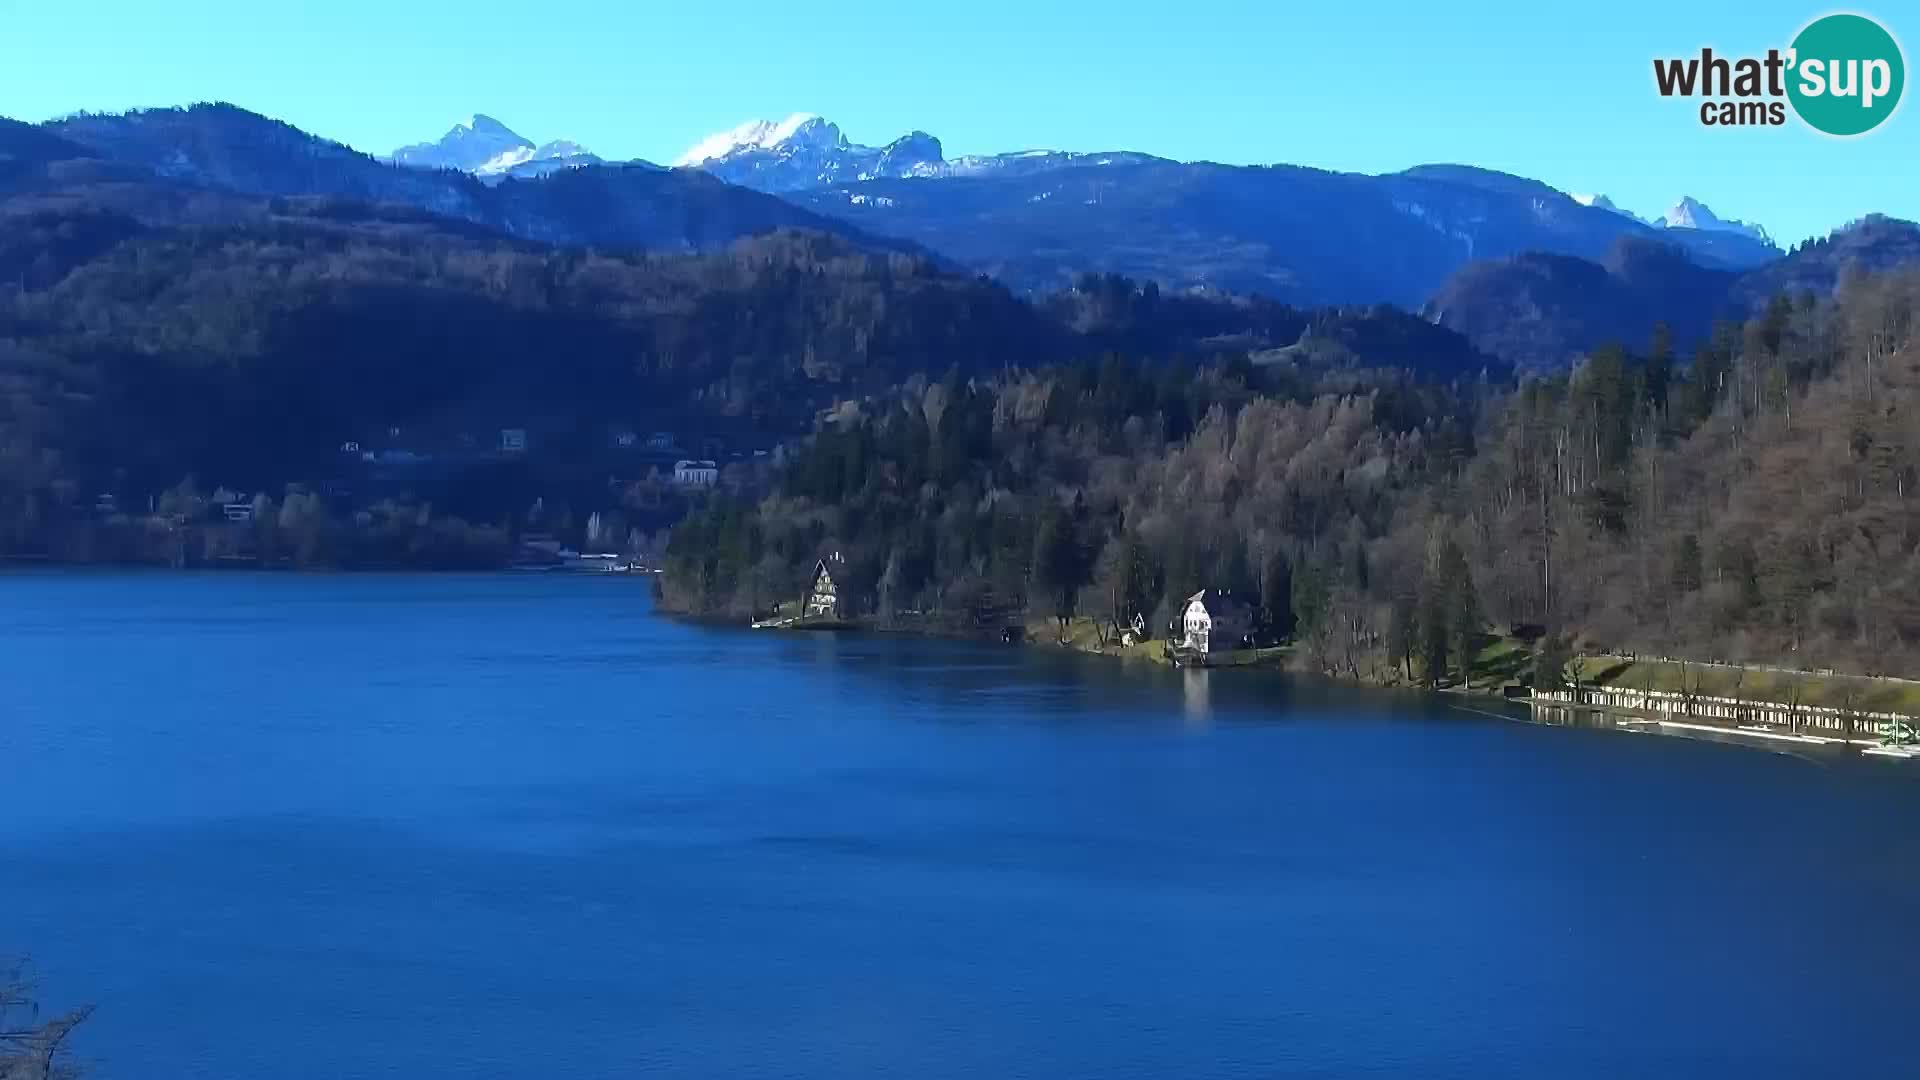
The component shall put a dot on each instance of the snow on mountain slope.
(1691, 213)
(1601, 202)
(807, 151)
(1688, 213)
(466, 146)
(492, 151)
(752, 135)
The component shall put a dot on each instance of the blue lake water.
(411, 826)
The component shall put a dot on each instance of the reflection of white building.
(695, 474)
(1197, 696)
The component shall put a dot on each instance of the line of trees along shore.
(1753, 501)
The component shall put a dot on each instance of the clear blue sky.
(1562, 93)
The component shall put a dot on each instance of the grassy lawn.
(1083, 633)
(1508, 661)
(1873, 695)
(1502, 661)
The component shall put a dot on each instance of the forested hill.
(250, 353)
(1760, 504)
(248, 341)
(1544, 311)
(23, 146)
(1875, 243)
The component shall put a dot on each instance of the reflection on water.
(1196, 693)
(1562, 716)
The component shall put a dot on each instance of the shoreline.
(1042, 634)
(1753, 736)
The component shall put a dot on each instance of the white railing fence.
(1672, 704)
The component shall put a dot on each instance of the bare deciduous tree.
(30, 1047)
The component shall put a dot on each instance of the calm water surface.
(370, 826)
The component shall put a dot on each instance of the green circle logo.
(1846, 74)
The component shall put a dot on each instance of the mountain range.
(806, 151)
(1688, 213)
(210, 292)
(1475, 249)
(489, 149)
(1038, 218)
(159, 164)
(1041, 218)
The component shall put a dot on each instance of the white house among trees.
(1214, 621)
(823, 597)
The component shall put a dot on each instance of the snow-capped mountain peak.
(807, 151)
(1688, 213)
(758, 135)
(492, 151)
(913, 154)
(1691, 213)
(1601, 202)
(484, 125)
(466, 146)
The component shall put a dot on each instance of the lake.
(482, 826)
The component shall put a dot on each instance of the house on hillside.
(1214, 621)
(695, 474)
(823, 596)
